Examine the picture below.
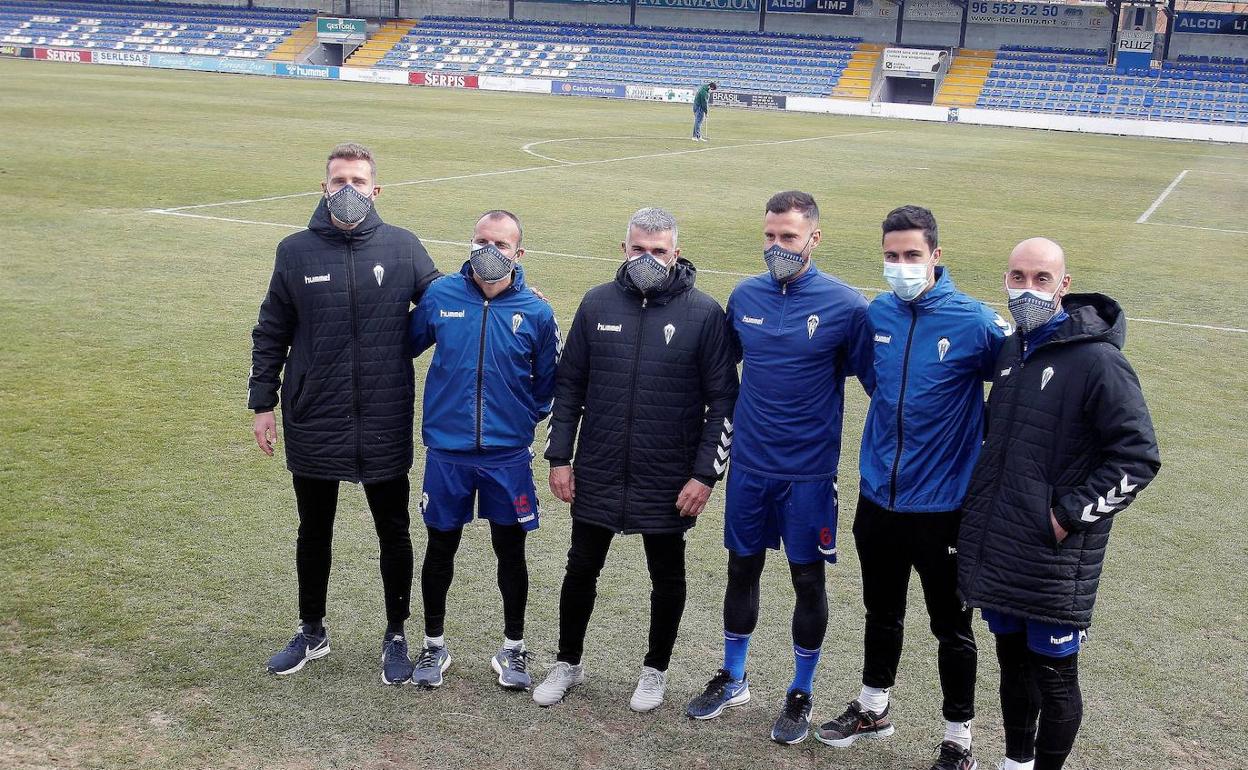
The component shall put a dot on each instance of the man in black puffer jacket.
(1069, 444)
(648, 380)
(333, 334)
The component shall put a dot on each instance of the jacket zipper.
(901, 406)
(485, 314)
(632, 400)
(355, 360)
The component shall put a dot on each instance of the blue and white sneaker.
(723, 691)
(793, 724)
(431, 664)
(396, 666)
(304, 647)
(512, 667)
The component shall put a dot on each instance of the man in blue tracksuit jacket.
(934, 348)
(492, 379)
(799, 333)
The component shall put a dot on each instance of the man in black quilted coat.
(1069, 445)
(332, 334)
(645, 391)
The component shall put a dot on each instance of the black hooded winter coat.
(645, 390)
(332, 334)
(1068, 432)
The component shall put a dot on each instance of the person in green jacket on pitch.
(701, 104)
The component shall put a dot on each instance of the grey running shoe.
(512, 667)
(431, 664)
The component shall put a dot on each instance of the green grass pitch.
(146, 546)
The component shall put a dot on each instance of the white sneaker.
(650, 689)
(694, 139)
(561, 678)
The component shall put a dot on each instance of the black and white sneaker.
(951, 756)
(793, 724)
(306, 645)
(855, 723)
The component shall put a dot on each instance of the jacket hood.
(1093, 318)
(322, 225)
(681, 280)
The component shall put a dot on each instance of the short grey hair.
(652, 220)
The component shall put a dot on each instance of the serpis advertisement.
(443, 79)
(63, 54)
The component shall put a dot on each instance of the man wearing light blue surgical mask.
(933, 349)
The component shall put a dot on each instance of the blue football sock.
(735, 648)
(804, 663)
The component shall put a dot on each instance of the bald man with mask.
(1069, 445)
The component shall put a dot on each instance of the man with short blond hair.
(332, 337)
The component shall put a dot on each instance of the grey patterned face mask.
(349, 205)
(1031, 309)
(488, 263)
(647, 272)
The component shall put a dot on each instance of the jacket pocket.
(1050, 537)
(296, 399)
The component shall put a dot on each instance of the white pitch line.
(529, 147)
(560, 164)
(172, 213)
(1198, 227)
(1144, 217)
(176, 213)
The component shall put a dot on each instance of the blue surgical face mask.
(489, 263)
(646, 272)
(906, 280)
(1032, 309)
(784, 264)
(348, 205)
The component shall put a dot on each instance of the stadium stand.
(1080, 82)
(1205, 89)
(855, 80)
(966, 78)
(380, 43)
(609, 53)
(151, 27)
